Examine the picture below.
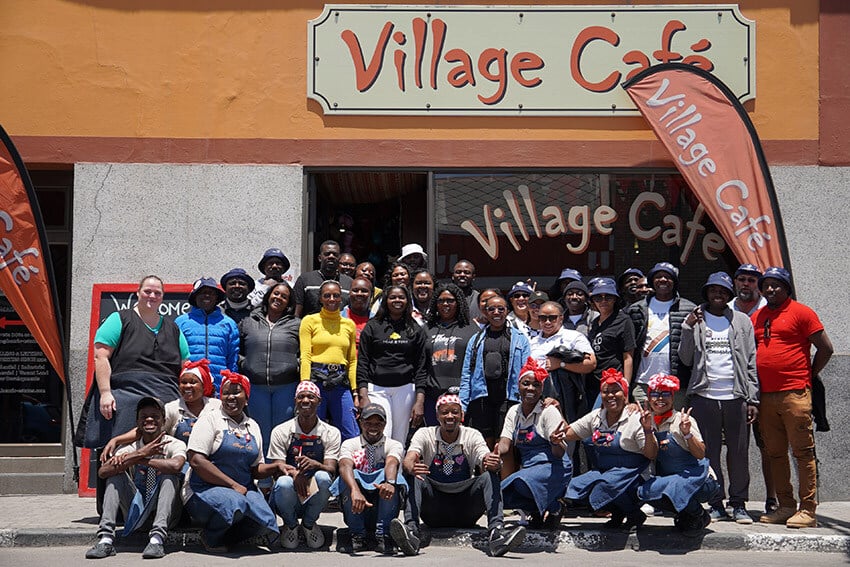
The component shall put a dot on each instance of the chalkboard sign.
(30, 390)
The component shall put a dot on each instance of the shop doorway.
(370, 213)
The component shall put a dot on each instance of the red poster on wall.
(715, 147)
(26, 273)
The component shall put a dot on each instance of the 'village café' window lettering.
(552, 222)
(549, 60)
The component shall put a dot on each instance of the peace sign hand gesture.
(646, 416)
(685, 423)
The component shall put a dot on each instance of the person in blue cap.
(274, 265)
(237, 284)
(567, 275)
(520, 315)
(719, 345)
(210, 333)
(627, 283)
(748, 298)
(658, 330)
(785, 333)
(612, 336)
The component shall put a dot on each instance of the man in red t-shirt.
(785, 331)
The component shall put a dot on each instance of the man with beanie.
(658, 330)
(785, 332)
(747, 298)
(210, 333)
(723, 393)
(578, 316)
(142, 480)
(274, 265)
(567, 275)
(237, 284)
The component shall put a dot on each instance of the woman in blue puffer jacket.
(210, 333)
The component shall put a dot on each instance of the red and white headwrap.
(201, 370)
(448, 399)
(663, 383)
(531, 367)
(228, 377)
(614, 376)
(308, 386)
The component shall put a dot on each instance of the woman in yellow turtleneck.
(329, 358)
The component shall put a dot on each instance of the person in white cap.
(414, 256)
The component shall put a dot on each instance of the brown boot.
(780, 516)
(802, 519)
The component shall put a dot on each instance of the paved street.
(432, 557)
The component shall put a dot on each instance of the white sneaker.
(314, 536)
(648, 510)
(289, 538)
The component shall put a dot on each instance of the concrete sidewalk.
(56, 520)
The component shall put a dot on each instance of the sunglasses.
(499, 309)
(546, 318)
(657, 395)
(604, 297)
(520, 294)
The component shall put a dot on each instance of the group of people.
(439, 403)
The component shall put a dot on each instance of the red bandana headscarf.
(663, 383)
(531, 367)
(228, 377)
(200, 369)
(614, 376)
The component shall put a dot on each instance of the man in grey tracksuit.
(724, 390)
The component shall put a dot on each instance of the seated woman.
(683, 479)
(196, 389)
(544, 473)
(621, 446)
(226, 455)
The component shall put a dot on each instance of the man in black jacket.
(658, 331)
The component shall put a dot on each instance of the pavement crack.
(97, 208)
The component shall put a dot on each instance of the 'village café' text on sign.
(514, 60)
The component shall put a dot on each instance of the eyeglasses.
(657, 395)
(447, 300)
(546, 318)
(767, 329)
(604, 297)
(499, 309)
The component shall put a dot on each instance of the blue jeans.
(377, 518)
(338, 402)
(270, 406)
(290, 508)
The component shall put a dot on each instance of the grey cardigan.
(742, 341)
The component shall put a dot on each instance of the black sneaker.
(358, 544)
(404, 537)
(634, 520)
(153, 551)
(100, 550)
(500, 542)
(386, 545)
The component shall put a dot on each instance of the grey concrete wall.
(177, 221)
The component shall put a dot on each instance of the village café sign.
(514, 60)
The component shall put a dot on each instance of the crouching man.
(369, 485)
(143, 481)
(445, 491)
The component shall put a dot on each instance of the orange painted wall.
(168, 69)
